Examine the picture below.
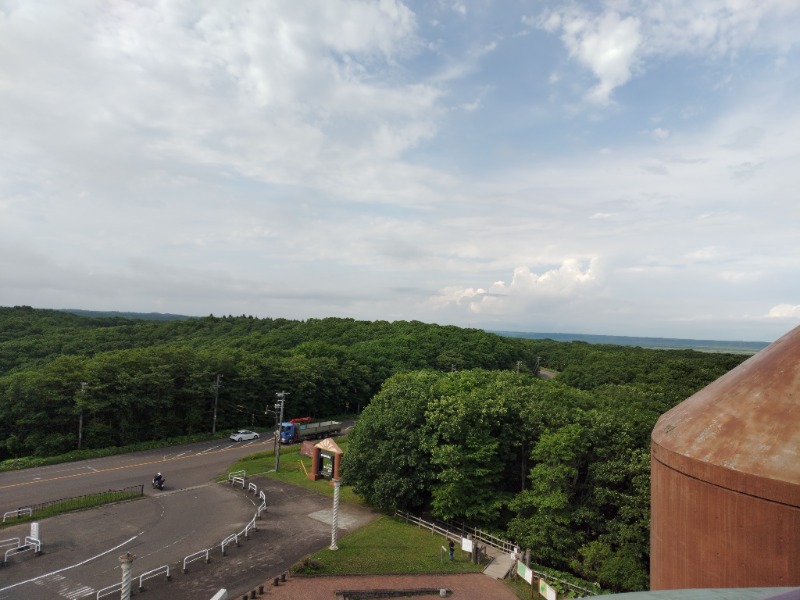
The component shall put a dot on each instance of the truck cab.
(288, 433)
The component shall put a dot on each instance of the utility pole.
(281, 397)
(80, 416)
(216, 386)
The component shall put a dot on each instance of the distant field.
(732, 347)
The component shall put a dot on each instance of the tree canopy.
(453, 422)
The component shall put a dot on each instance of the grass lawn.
(386, 546)
(293, 469)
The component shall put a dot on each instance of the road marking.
(141, 464)
(69, 567)
(66, 588)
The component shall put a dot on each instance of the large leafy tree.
(388, 460)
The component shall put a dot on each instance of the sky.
(615, 167)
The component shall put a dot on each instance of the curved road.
(183, 466)
(81, 550)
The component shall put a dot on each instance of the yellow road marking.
(142, 464)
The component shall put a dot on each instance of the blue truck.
(305, 428)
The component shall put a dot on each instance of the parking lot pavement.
(161, 530)
(81, 550)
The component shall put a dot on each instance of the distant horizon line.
(614, 335)
(556, 336)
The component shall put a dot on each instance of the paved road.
(81, 550)
(183, 466)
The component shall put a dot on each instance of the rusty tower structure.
(725, 474)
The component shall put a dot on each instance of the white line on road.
(69, 567)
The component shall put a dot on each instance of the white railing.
(107, 591)
(10, 542)
(193, 557)
(18, 513)
(235, 480)
(163, 570)
(263, 506)
(241, 473)
(251, 526)
(234, 537)
(488, 539)
(31, 543)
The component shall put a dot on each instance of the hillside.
(452, 421)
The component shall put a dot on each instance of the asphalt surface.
(81, 551)
(184, 466)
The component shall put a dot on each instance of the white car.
(244, 434)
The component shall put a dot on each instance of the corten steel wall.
(725, 476)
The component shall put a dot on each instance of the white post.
(335, 521)
(125, 562)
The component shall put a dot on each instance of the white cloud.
(619, 40)
(352, 158)
(606, 46)
(571, 278)
(782, 311)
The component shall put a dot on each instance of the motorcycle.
(159, 484)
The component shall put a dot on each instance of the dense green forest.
(453, 421)
(149, 379)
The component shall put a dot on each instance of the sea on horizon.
(727, 346)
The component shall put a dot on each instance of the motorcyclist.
(158, 481)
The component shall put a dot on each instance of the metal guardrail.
(20, 512)
(9, 542)
(107, 591)
(234, 537)
(163, 570)
(193, 557)
(31, 543)
(263, 506)
(79, 502)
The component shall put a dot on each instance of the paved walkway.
(472, 586)
(501, 564)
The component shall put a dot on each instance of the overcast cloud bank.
(624, 167)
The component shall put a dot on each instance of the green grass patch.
(386, 546)
(293, 469)
(69, 505)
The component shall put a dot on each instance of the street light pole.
(216, 400)
(80, 417)
(281, 396)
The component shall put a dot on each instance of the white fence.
(505, 546)
(107, 591)
(20, 512)
(163, 570)
(193, 557)
(16, 548)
